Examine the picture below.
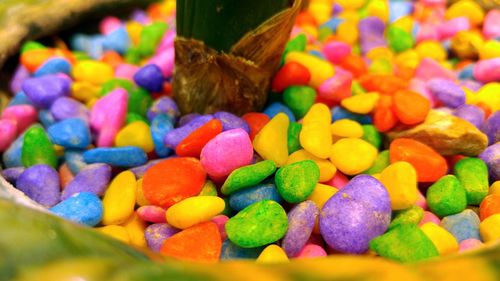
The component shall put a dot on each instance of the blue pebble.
(20, 98)
(126, 156)
(277, 107)
(74, 160)
(399, 9)
(164, 105)
(339, 113)
(464, 225)
(70, 133)
(12, 174)
(467, 72)
(12, 156)
(79, 42)
(175, 136)
(53, 66)
(95, 48)
(230, 251)
(317, 53)
(230, 121)
(150, 78)
(246, 197)
(333, 23)
(46, 118)
(160, 126)
(118, 40)
(84, 208)
(43, 91)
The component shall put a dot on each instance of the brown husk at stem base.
(206, 81)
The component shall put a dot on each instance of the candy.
(314, 136)
(157, 233)
(173, 180)
(361, 104)
(400, 180)
(271, 143)
(352, 156)
(291, 74)
(364, 206)
(446, 196)
(135, 134)
(296, 181)
(70, 133)
(193, 144)
(272, 254)
(259, 224)
(83, 207)
(194, 210)
(464, 225)
(299, 99)
(37, 148)
(473, 175)
(444, 242)
(43, 91)
(489, 206)
(40, 183)
(92, 178)
(326, 168)
(301, 221)
(489, 228)
(126, 156)
(248, 176)
(150, 77)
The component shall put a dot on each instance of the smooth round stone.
(490, 157)
(226, 152)
(37, 148)
(74, 160)
(464, 225)
(92, 178)
(241, 199)
(352, 156)
(8, 132)
(65, 108)
(150, 78)
(84, 208)
(339, 113)
(157, 233)
(138, 134)
(231, 251)
(446, 196)
(446, 91)
(248, 176)
(160, 126)
(412, 215)
(177, 135)
(119, 199)
(271, 143)
(491, 127)
(312, 251)
(400, 181)
(257, 225)
(315, 137)
(471, 113)
(12, 174)
(275, 108)
(300, 225)
(163, 105)
(127, 156)
(194, 210)
(151, 213)
(70, 133)
(40, 183)
(117, 40)
(139, 171)
(230, 121)
(356, 214)
(24, 116)
(46, 118)
(295, 182)
(469, 244)
(272, 254)
(473, 176)
(43, 91)
(299, 99)
(53, 66)
(108, 116)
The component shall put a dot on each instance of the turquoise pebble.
(464, 225)
(84, 208)
(160, 126)
(241, 199)
(70, 133)
(126, 156)
(231, 251)
(74, 159)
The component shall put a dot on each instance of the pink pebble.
(491, 24)
(448, 29)
(336, 88)
(338, 181)
(433, 2)
(421, 201)
(427, 32)
(152, 214)
(8, 133)
(165, 61)
(25, 115)
(312, 251)
(220, 221)
(167, 42)
(487, 70)
(336, 51)
(108, 116)
(109, 24)
(469, 244)
(429, 217)
(126, 71)
(429, 69)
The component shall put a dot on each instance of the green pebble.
(133, 56)
(133, 117)
(150, 37)
(139, 101)
(446, 196)
(257, 225)
(37, 148)
(473, 175)
(380, 163)
(297, 44)
(79, 56)
(399, 40)
(412, 215)
(357, 89)
(294, 129)
(115, 83)
(371, 135)
(32, 45)
(248, 176)
(404, 243)
(295, 182)
(208, 189)
(299, 99)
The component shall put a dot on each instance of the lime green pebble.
(257, 225)
(357, 89)
(115, 83)
(446, 196)
(79, 56)
(399, 40)
(150, 37)
(139, 101)
(296, 181)
(208, 189)
(133, 117)
(299, 99)
(294, 129)
(412, 215)
(473, 175)
(248, 176)
(32, 45)
(380, 163)
(297, 44)
(133, 56)
(37, 148)
(372, 135)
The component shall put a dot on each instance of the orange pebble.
(256, 121)
(430, 166)
(354, 64)
(411, 108)
(112, 58)
(65, 175)
(382, 83)
(173, 180)
(192, 145)
(305, 18)
(384, 118)
(35, 58)
(489, 206)
(199, 243)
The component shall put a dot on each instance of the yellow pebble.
(377, 176)
(139, 195)
(116, 231)
(466, 44)
(320, 11)
(135, 228)
(380, 53)
(310, 30)
(466, 8)
(319, 69)
(488, 94)
(400, 180)
(379, 9)
(119, 200)
(271, 143)
(431, 49)
(194, 210)
(351, 4)
(315, 136)
(91, 102)
(59, 150)
(94, 72)
(405, 23)
(84, 91)
(408, 58)
(495, 188)
(326, 168)
(444, 241)
(347, 32)
(346, 128)
(380, 66)
(137, 134)
(272, 254)
(134, 30)
(490, 228)
(490, 50)
(361, 104)
(353, 156)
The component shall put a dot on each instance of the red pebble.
(256, 121)
(384, 118)
(291, 74)
(489, 206)
(192, 145)
(152, 214)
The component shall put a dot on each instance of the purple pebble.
(94, 178)
(157, 233)
(43, 91)
(490, 156)
(230, 121)
(491, 127)
(12, 174)
(187, 118)
(447, 92)
(41, 184)
(471, 113)
(163, 105)
(371, 33)
(65, 108)
(300, 225)
(18, 78)
(174, 137)
(357, 213)
(150, 78)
